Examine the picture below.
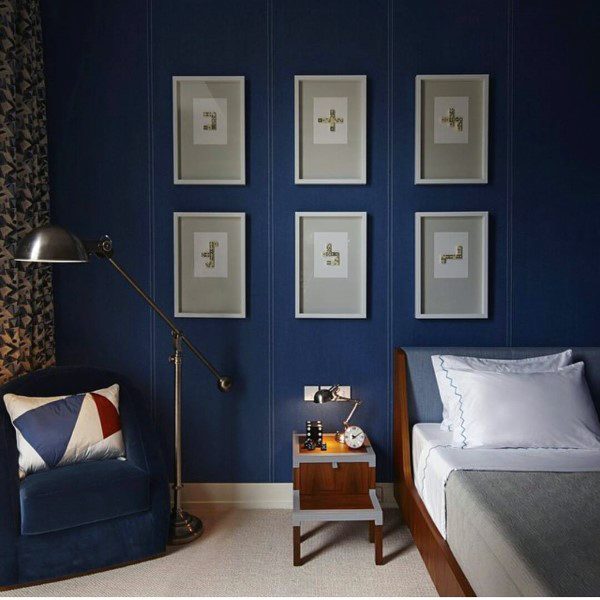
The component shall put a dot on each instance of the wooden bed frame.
(445, 572)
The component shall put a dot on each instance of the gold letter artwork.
(457, 256)
(331, 119)
(333, 257)
(212, 126)
(453, 120)
(210, 254)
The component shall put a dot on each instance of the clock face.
(354, 437)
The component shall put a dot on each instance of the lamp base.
(183, 527)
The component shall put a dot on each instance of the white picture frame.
(198, 159)
(466, 160)
(343, 159)
(443, 295)
(319, 293)
(197, 292)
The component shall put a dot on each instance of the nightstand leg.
(371, 531)
(378, 544)
(297, 554)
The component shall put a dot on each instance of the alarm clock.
(354, 437)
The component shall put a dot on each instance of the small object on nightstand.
(323, 447)
(314, 431)
(354, 437)
(309, 444)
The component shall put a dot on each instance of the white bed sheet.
(426, 436)
(434, 460)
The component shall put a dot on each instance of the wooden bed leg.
(297, 553)
(378, 535)
(371, 531)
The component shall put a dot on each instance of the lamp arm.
(224, 383)
(356, 405)
(183, 527)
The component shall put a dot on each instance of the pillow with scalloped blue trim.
(61, 430)
(550, 410)
(443, 362)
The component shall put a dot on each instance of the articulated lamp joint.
(102, 248)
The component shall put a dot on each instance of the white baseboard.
(258, 495)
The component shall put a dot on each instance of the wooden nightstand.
(335, 485)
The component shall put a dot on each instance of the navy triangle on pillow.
(48, 428)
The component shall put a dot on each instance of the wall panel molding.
(151, 208)
(390, 232)
(270, 224)
(510, 167)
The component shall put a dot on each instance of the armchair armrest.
(140, 441)
(9, 501)
(135, 450)
(142, 450)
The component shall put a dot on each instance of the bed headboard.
(424, 403)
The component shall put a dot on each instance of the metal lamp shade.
(323, 396)
(51, 244)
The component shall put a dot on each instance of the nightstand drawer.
(335, 478)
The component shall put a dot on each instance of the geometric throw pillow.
(61, 430)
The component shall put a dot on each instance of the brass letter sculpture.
(453, 120)
(333, 258)
(212, 126)
(332, 120)
(210, 254)
(458, 256)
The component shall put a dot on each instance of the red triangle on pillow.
(109, 416)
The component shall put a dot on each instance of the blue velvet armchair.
(87, 516)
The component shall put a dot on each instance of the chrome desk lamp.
(52, 244)
(331, 395)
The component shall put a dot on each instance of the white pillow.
(441, 362)
(525, 410)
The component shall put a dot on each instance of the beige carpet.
(249, 553)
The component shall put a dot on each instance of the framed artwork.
(331, 265)
(210, 264)
(451, 129)
(451, 265)
(330, 129)
(209, 131)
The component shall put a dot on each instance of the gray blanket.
(526, 534)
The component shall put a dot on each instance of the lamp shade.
(51, 244)
(322, 396)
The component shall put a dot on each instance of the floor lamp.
(52, 244)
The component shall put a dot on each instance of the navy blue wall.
(109, 65)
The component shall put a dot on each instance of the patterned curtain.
(26, 312)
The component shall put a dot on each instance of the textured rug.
(249, 553)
